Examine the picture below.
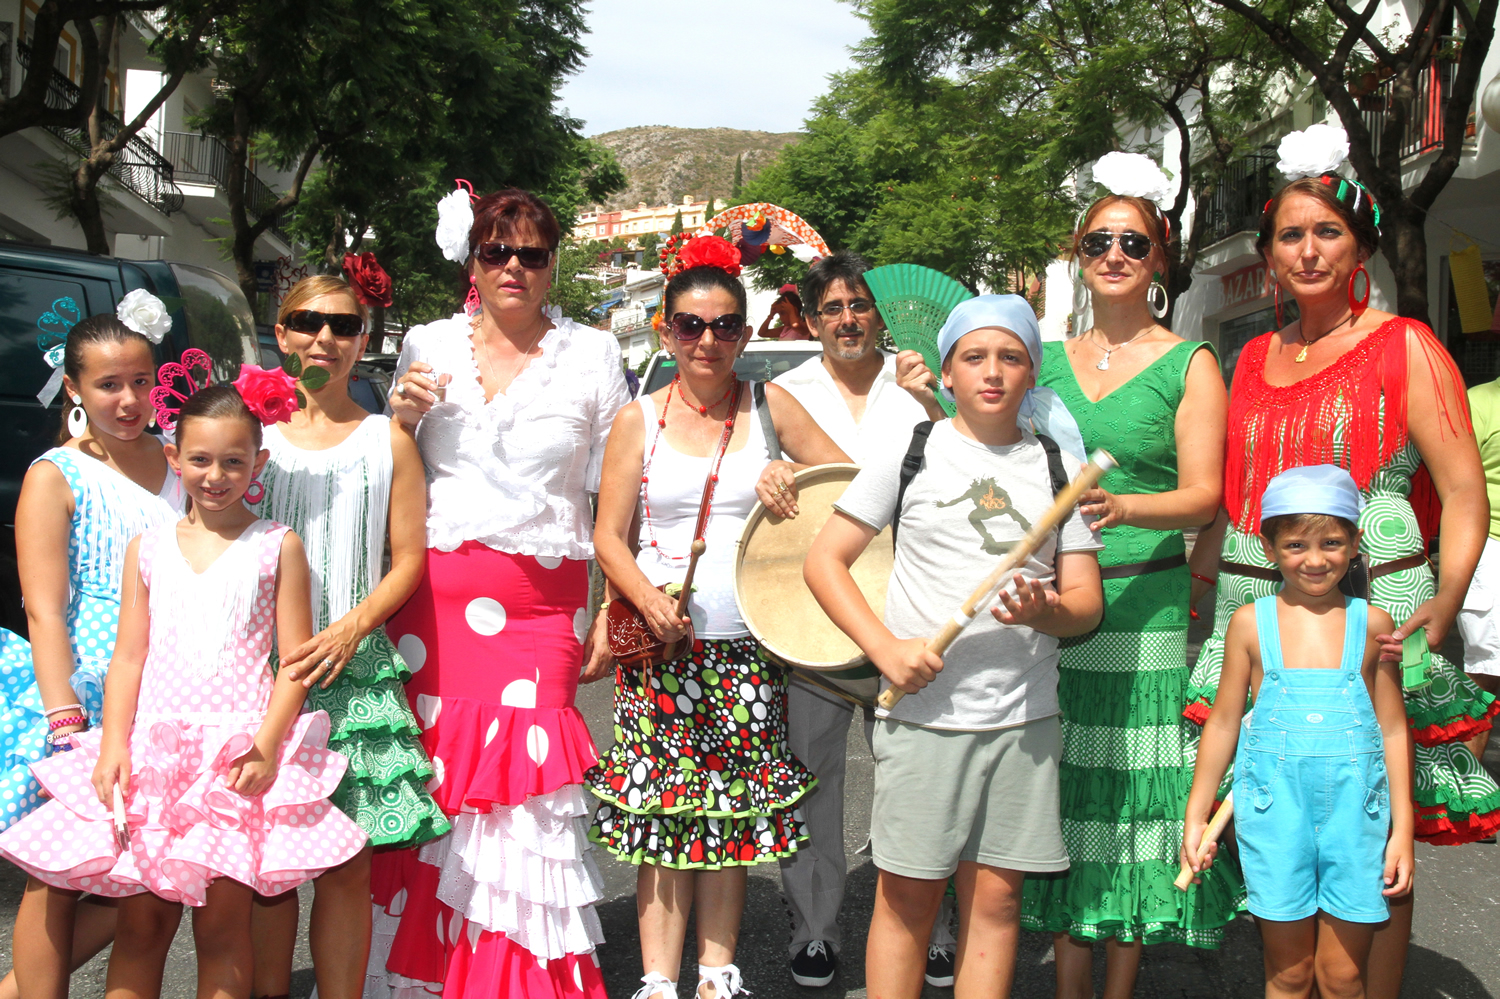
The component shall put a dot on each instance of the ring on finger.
(781, 487)
(401, 388)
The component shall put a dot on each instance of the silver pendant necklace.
(1103, 364)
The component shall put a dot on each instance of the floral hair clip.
(455, 219)
(166, 398)
(56, 323)
(144, 313)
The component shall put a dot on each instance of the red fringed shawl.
(1273, 428)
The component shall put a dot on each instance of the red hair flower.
(269, 393)
(372, 285)
(709, 251)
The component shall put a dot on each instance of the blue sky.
(755, 64)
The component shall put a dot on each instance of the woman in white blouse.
(511, 409)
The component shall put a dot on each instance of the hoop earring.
(1155, 291)
(1081, 299)
(1276, 295)
(78, 419)
(256, 492)
(1359, 305)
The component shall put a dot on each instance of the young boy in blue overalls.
(1322, 773)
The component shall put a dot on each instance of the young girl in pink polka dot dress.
(222, 783)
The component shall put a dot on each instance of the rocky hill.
(664, 163)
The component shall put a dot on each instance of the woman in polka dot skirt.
(346, 481)
(206, 783)
(511, 408)
(80, 505)
(699, 784)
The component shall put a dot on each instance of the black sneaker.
(814, 965)
(939, 967)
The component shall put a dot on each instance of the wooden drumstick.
(1211, 834)
(1063, 505)
(699, 546)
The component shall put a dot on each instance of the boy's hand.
(1400, 865)
(908, 665)
(1192, 835)
(1032, 600)
(252, 773)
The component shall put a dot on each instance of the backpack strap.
(910, 466)
(767, 425)
(1055, 468)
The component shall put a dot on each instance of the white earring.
(1157, 300)
(78, 419)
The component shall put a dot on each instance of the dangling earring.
(256, 492)
(1359, 305)
(472, 305)
(1156, 291)
(1276, 295)
(78, 419)
(1080, 294)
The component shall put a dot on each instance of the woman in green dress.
(348, 481)
(1157, 403)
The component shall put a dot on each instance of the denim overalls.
(1312, 809)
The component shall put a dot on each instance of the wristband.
(1204, 579)
(66, 707)
(58, 723)
(61, 740)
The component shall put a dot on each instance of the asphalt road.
(1454, 954)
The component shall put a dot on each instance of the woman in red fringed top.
(1379, 396)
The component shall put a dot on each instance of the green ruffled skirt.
(384, 790)
(1126, 771)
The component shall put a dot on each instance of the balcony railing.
(204, 159)
(1239, 195)
(1424, 129)
(137, 167)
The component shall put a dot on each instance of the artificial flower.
(371, 284)
(144, 313)
(270, 393)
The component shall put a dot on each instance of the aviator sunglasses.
(1133, 244)
(728, 327)
(307, 321)
(533, 258)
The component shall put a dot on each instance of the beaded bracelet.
(61, 740)
(66, 707)
(58, 723)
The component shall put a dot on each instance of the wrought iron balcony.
(204, 159)
(1424, 129)
(1238, 196)
(138, 167)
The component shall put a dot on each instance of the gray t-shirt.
(966, 507)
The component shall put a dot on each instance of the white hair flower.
(1135, 176)
(145, 313)
(1316, 150)
(455, 219)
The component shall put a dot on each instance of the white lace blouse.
(514, 473)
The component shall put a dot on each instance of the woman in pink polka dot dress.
(511, 409)
(220, 783)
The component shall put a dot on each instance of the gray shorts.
(987, 797)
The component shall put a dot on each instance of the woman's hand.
(777, 489)
(1108, 509)
(253, 773)
(1032, 601)
(1430, 615)
(597, 661)
(660, 612)
(326, 654)
(112, 768)
(908, 664)
(413, 394)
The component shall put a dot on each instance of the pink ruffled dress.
(204, 693)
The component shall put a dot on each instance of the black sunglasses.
(728, 327)
(343, 324)
(533, 258)
(1134, 245)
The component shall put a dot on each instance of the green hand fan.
(915, 302)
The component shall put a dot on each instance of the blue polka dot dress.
(108, 510)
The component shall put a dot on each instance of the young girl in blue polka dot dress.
(80, 505)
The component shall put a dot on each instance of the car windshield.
(761, 365)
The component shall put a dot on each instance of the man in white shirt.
(862, 397)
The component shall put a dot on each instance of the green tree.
(739, 177)
(677, 223)
(650, 244)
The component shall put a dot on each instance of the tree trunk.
(83, 201)
(1404, 243)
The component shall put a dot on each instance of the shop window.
(1235, 333)
(1477, 354)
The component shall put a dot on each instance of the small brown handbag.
(631, 640)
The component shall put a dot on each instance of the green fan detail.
(915, 302)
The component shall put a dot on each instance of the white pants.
(1477, 620)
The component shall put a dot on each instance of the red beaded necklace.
(661, 426)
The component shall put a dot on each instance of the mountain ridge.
(662, 163)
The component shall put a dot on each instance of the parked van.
(762, 361)
(208, 312)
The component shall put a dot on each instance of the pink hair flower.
(269, 393)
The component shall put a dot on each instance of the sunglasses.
(858, 307)
(1133, 244)
(339, 323)
(728, 327)
(533, 258)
